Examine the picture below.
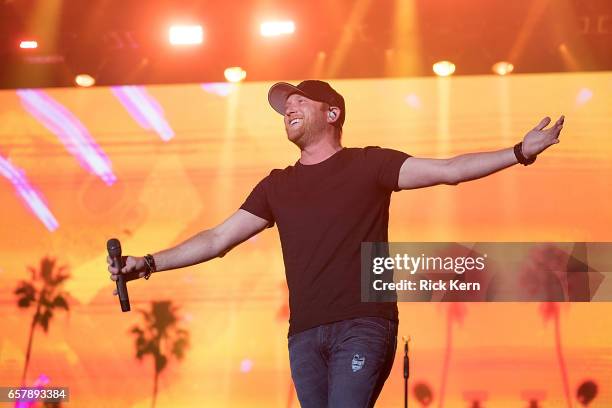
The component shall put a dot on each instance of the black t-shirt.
(324, 212)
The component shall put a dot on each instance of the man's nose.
(289, 110)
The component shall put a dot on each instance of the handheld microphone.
(114, 252)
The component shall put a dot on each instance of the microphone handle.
(124, 299)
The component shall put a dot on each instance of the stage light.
(218, 88)
(569, 58)
(413, 100)
(28, 44)
(144, 108)
(276, 28)
(502, 68)
(246, 365)
(70, 131)
(444, 68)
(84, 80)
(186, 35)
(234, 74)
(584, 95)
(28, 193)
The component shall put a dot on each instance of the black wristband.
(150, 264)
(518, 152)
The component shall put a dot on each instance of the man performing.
(330, 201)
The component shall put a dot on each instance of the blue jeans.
(342, 364)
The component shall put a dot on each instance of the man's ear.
(333, 114)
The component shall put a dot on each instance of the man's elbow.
(451, 174)
(217, 248)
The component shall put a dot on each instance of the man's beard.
(307, 134)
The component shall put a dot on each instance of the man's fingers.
(543, 123)
(129, 263)
(558, 126)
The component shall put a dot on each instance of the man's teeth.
(294, 121)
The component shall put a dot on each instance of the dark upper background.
(125, 41)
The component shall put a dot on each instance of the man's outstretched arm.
(202, 247)
(419, 172)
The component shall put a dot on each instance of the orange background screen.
(226, 138)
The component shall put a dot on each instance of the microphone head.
(114, 247)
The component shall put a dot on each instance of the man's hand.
(132, 264)
(539, 139)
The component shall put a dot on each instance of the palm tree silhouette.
(160, 337)
(550, 311)
(455, 312)
(44, 291)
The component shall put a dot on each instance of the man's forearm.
(199, 248)
(472, 166)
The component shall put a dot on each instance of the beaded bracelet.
(520, 157)
(150, 264)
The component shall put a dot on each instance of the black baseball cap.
(312, 89)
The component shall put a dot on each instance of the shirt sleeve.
(257, 202)
(386, 164)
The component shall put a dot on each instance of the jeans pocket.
(378, 322)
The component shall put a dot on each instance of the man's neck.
(319, 151)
